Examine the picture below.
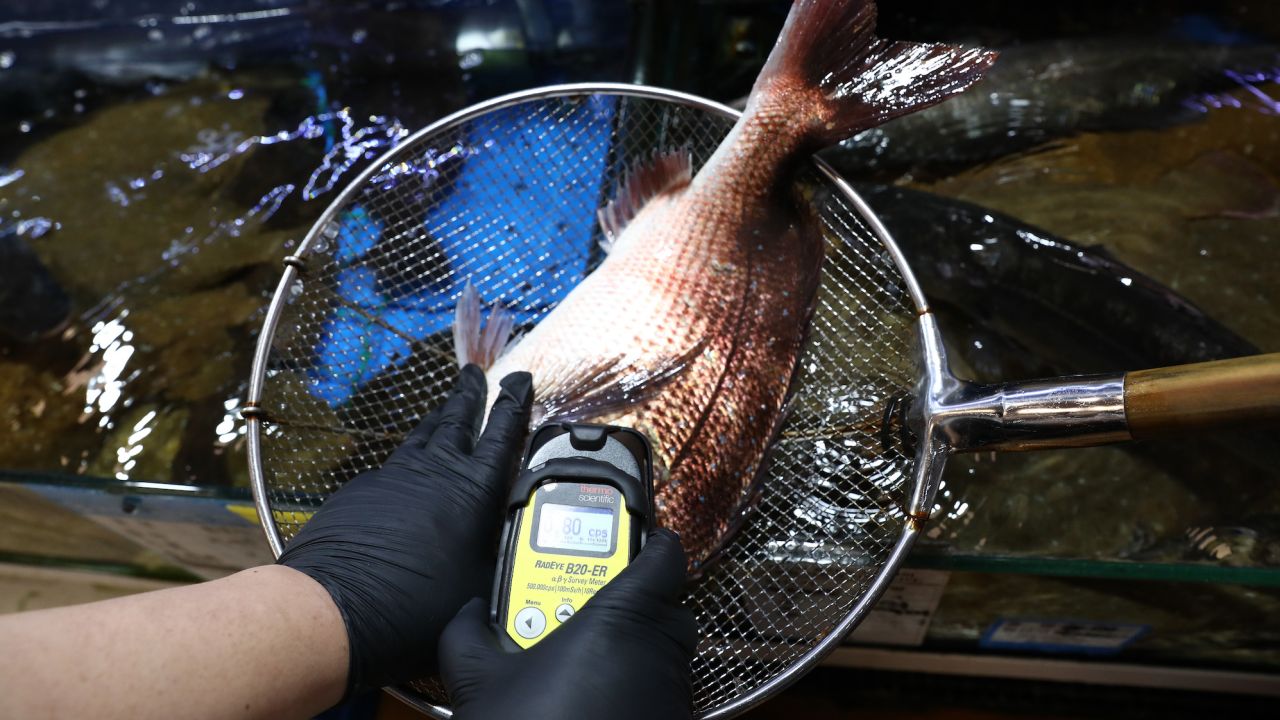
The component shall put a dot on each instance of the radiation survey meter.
(578, 513)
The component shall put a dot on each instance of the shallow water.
(159, 166)
(1197, 208)
(1101, 142)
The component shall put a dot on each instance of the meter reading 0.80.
(568, 527)
(577, 514)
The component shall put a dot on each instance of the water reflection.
(106, 380)
(160, 165)
(232, 426)
(1256, 97)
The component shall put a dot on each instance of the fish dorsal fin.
(664, 172)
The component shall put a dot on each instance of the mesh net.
(508, 200)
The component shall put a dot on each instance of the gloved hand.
(625, 655)
(401, 548)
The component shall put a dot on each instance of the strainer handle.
(1184, 398)
(958, 416)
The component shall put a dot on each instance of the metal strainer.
(356, 346)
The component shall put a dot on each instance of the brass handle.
(1191, 397)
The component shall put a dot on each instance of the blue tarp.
(518, 224)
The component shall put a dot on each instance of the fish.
(1078, 304)
(1040, 92)
(1254, 542)
(691, 328)
(33, 304)
(1016, 301)
(1232, 538)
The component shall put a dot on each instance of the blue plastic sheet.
(516, 225)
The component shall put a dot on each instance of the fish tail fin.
(860, 80)
(473, 343)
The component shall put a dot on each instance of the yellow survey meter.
(578, 513)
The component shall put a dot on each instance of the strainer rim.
(252, 405)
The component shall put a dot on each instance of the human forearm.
(358, 599)
(267, 642)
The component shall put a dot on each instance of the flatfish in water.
(32, 303)
(691, 328)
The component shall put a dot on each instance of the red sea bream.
(691, 328)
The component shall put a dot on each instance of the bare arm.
(264, 643)
(358, 600)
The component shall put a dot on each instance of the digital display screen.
(570, 527)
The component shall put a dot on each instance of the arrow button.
(530, 622)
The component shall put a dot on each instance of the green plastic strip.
(1097, 569)
(175, 574)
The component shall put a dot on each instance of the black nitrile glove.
(626, 655)
(401, 548)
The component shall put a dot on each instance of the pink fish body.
(691, 328)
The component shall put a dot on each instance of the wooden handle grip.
(1192, 397)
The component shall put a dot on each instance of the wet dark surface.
(1120, 148)
(830, 693)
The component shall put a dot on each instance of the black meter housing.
(579, 510)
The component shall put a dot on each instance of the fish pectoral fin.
(663, 172)
(611, 386)
(473, 343)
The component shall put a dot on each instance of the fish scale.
(734, 315)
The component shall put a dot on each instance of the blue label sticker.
(1086, 637)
